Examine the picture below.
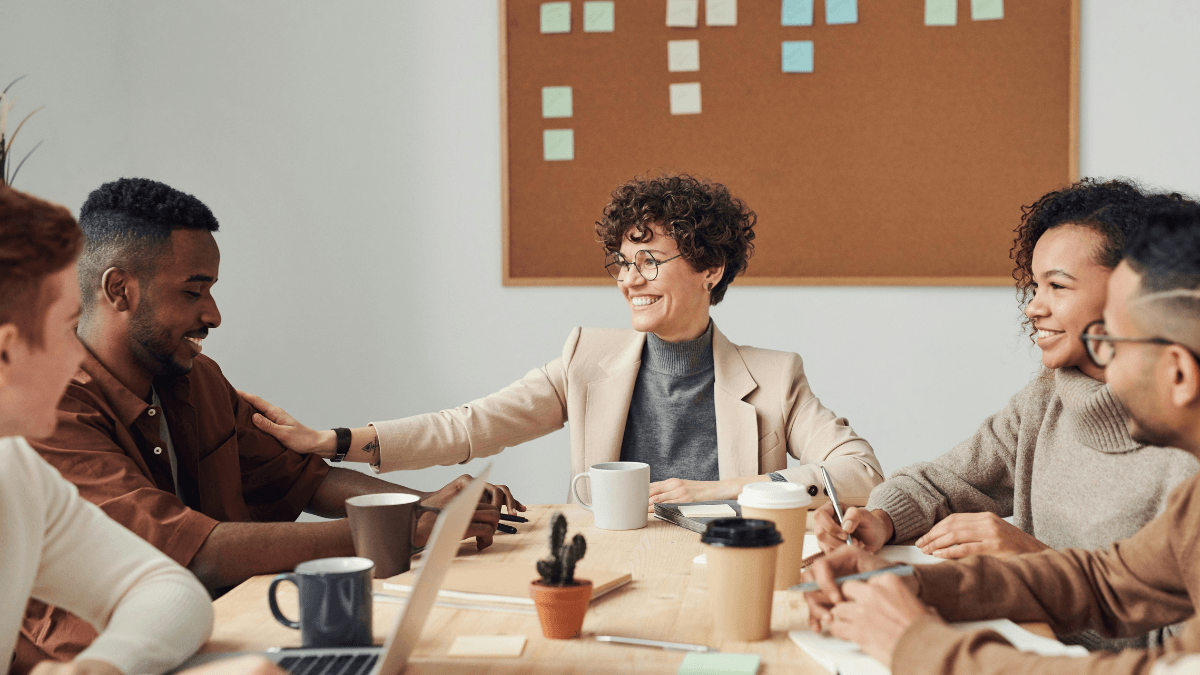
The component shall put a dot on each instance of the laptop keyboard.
(347, 664)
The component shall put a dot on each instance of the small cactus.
(559, 570)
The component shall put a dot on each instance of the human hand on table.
(678, 490)
(487, 513)
(870, 529)
(841, 562)
(962, 534)
(875, 613)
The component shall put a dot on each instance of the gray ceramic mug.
(383, 527)
(335, 602)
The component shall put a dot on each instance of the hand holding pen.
(833, 499)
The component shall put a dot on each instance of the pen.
(837, 508)
(507, 529)
(673, 646)
(898, 570)
(513, 519)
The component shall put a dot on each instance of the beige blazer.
(765, 411)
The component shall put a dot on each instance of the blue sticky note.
(556, 17)
(798, 57)
(556, 102)
(558, 144)
(941, 12)
(797, 12)
(719, 664)
(599, 17)
(841, 11)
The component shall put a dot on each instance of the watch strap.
(343, 443)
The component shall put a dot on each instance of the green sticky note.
(598, 17)
(797, 13)
(798, 57)
(841, 11)
(941, 12)
(556, 17)
(987, 10)
(556, 102)
(558, 145)
(719, 664)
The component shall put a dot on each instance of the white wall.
(351, 153)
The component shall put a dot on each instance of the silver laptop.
(391, 659)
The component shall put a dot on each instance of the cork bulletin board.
(888, 150)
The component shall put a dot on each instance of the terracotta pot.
(561, 608)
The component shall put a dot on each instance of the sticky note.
(841, 11)
(797, 13)
(558, 145)
(556, 102)
(987, 10)
(685, 98)
(708, 511)
(598, 17)
(683, 56)
(941, 12)
(720, 12)
(798, 56)
(719, 664)
(683, 13)
(487, 645)
(556, 17)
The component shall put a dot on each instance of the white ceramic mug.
(620, 494)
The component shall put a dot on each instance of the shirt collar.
(127, 405)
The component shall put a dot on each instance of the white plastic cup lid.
(774, 496)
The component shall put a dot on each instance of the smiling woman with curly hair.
(706, 415)
(1058, 459)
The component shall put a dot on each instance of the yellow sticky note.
(987, 10)
(599, 17)
(556, 17)
(683, 13)
(683, 56)
(685, 98)
(941, 12)
(487, 645)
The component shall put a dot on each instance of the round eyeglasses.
(1101, 347)
(618, 267)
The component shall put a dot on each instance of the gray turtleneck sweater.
(1059, 460)
(672, 423)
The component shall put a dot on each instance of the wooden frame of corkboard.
(903, 159)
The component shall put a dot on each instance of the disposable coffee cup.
(620, 493)
(335, 602)
(382, 527)
(786, 505)
(741, 556)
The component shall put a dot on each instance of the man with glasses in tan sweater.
(1148, 345)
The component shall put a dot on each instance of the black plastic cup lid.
(741, 533)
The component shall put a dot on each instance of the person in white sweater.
(55, 546)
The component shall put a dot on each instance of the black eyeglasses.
(1100, 345)
(618, 267)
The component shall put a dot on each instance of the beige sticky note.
(708, 511)
(685, 98)
(487, 645)
(683, 13)
(720, 12)
(683, 56)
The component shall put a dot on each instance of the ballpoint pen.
(673, 646)
(837, 508)
(898, 570)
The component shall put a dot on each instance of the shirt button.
(158, 451)
(152, 412)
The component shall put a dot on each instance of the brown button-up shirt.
(109, 444)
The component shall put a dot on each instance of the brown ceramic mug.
(382, 527)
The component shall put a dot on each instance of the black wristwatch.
(343, 443)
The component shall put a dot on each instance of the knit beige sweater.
(1058, 459)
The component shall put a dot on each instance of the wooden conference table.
(667, 600)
